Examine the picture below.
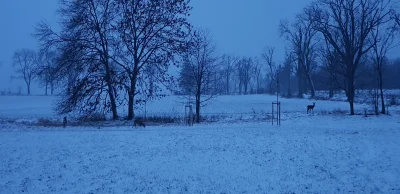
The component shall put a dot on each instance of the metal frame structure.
(278, 112)
(278, 106)
(188, 115)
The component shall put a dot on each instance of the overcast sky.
(240, 27)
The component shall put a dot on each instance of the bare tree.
(347, 25)
(199, 67)
(47, 72)
(331, 60)
(288, 70)
(228, 63)
(26, 62)
(86, 45)
(383, 40)
(268, 56)
(303, 42)
(257, 68)
(152, 33)
(244, 71)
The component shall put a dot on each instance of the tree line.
(334, 45)
(113, 53)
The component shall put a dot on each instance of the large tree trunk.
(51, 88)
(198, 100)
(197, 109)
(380, 83)
(131, 99)
(289, 86)
(240, 88)
(381, 91)
(112, 101)
(350, 92)
(331, 92)
(28, 86)
(312, 88)
(111, 92)
(227, 84)
(271, 87)
(301, 84)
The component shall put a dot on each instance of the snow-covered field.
(314, 153)
(26, 107)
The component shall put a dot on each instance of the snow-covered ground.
(309, 153)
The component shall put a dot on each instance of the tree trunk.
(197, 109)
(112, 101)
(310, 81)
(51, 88)
(28, 86)
(46, 86)
(240, 88)
(331, 92)
(289, 87)
(271, 87)
(111, 92)
(381, 91)
(350, 92)
(198, 100)
(131, 99)
(227, 84)
(300, 80)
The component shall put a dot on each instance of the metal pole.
(279, 113)
(272, 113)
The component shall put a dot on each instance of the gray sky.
(240, 27)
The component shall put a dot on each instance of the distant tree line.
(343, 45)
(333, 45)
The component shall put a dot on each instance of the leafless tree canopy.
(228, 63)
(105, 47)
(244, 71)
(151, 33)
(272, 74)
(303, 43)
(348, 25)
(25, 62)
(198, 76)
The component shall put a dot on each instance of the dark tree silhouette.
(197, 76)
(228, 63)
(25, 61)
(347, 25)
(85, 43)
(301, 36)
(272, 75)
(383, 38)
(151, 33)
(47, 72)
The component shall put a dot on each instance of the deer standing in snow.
(138, 122)
(310, 107)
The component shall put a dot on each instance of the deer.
(139, 122)
(310, 107)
